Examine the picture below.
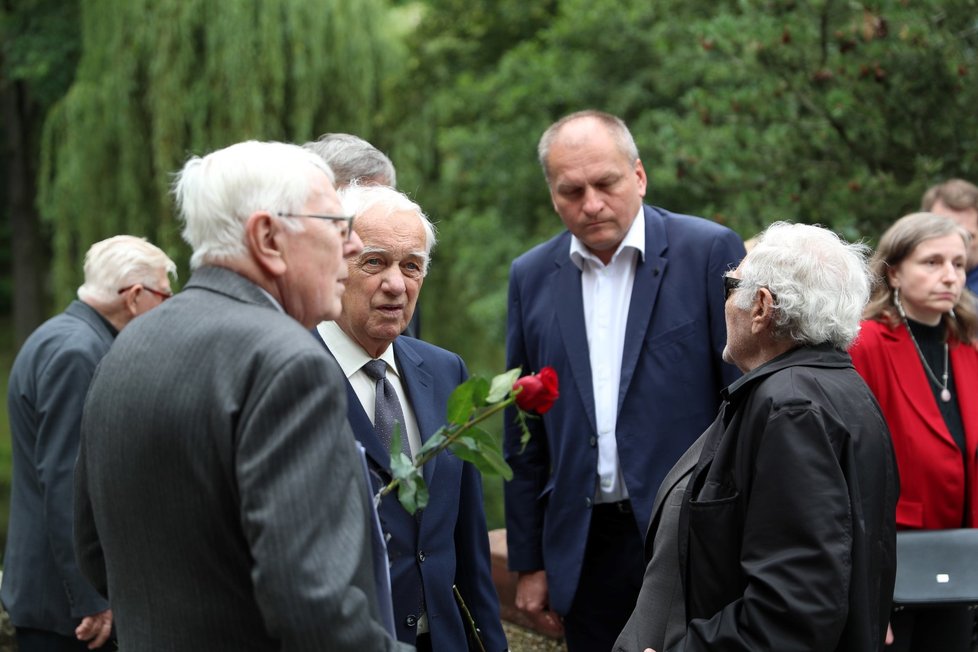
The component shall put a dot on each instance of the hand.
(531, 591)
(95, 629)
(889, 634)
(533, 597)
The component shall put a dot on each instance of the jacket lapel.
(360, 422)
(365, 433)
(645, 290)
(418, 384)
(570, 319)
(910, 377)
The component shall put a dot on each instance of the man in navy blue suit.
(447, 543)
(627, 306)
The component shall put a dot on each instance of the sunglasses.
(729, 285)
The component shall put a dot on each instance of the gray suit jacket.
(220, 500)
(42, 586)
(659, 618)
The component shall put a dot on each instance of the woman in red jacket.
(916, 351)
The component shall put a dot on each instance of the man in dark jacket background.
(786, 531)
(51, 605)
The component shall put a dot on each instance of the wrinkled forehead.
(392, 230)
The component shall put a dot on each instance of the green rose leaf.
(479, 448)
(466, 397)
(434, 442)
(412, 493)
(502, 385)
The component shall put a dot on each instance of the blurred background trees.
(745, 112)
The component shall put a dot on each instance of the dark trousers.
(41, 640)
(944, 629)
(611, 578)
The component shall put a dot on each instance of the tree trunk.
(21, 119)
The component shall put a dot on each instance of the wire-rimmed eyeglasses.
(161, 294)
(346, 219)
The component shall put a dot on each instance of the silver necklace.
(945, 392)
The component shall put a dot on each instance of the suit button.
(411, 621)
(587, 503)
(421, 555)
(593, 441)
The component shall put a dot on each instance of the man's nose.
(394, 281)
(593, 202)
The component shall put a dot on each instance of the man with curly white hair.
(776, 531)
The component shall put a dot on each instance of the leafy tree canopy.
(745, 111)
(161, 79)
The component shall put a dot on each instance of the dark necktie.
(387, 412)
(387, 409)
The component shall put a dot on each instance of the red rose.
(537, 392)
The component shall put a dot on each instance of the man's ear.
(762, 310)
(130, 297)
(265, 240)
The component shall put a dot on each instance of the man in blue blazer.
(627, 307)
(445, 544)
(50, 603)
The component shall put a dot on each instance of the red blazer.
(933, 481)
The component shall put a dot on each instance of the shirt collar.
(350, 355)
(634, 239)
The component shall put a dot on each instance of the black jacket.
(787, 534)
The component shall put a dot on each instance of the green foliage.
(40, 46)
(164, 78)
(745, 111)
(824, 112)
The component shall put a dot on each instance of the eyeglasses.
(162, 295)
(730, 284)
(348, 219)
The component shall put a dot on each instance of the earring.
(896, 302)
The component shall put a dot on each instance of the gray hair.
(357, 200)
(217, 194)
(354, 160)
(820, 282)
(615, 126)
(121, 261)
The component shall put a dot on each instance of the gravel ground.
(524, 640)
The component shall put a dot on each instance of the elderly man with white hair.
(392, 377)
(781, 519)
(51, 605)
(221, 502)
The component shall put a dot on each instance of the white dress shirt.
(607, 291)
(351, 358)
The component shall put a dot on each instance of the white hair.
(820, 282)
(121, 261)
(357, 200)
(217, 194)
